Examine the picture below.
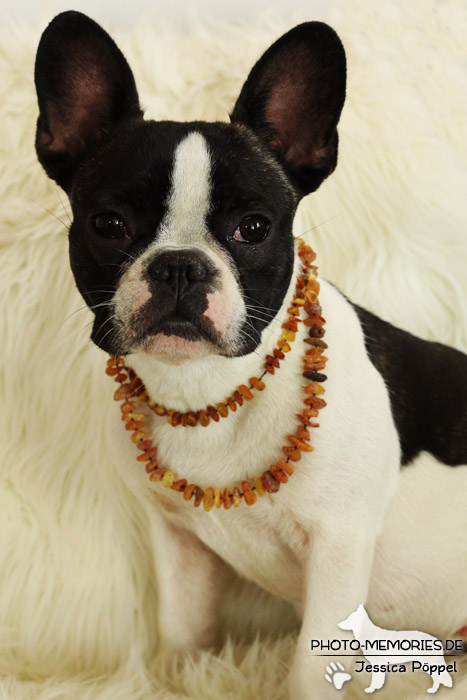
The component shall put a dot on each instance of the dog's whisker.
(65, 225)
(322, 223)
(63, 205)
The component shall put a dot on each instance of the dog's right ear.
(84, 88)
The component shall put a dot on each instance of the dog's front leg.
(337, 577)
(188, 575)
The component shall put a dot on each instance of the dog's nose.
(179, 270)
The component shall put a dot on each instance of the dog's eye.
(252, 229)
(110, 225)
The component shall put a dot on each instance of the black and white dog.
(182, 246)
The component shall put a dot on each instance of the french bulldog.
(182, 246)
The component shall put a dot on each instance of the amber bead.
(316, 332)
(314, 376)
(270, 483)
(208, 499)
(307, 254)
(188, 491)
(317, 342)
(151, 466)
(303, 419)
(238, 397)
(236, 497)
(128, 406)
(168, 479)
(285, 466)
(157, 474)
(259, 486)
(232, 404)
(245, 392)
(248, 493)
(147, 455)
(122, 377)
(132, 416)
(222, 410)
(134, 424)
(270, 359)
(138, 436)
(179, 485)
(183, 422)
(303, 433)
(198, 493)
(290, 326)
(160, 410)
(213, 413)
(309, 402)
(278, 353)
(112, 371)
(257, 383)
(288, 336)
(314, 353)
(191, 419)
(293, 311)
(315, 365)
(292, 453)
(301, 444)
(217, 498)
(279, 474)
(174, 418)
(310, 388)
(204, 418)
(269, 368)
(122, 391)
(227, 499)
(310, 412)
(318, 403)
(144, 445)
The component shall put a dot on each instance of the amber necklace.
(132, 391)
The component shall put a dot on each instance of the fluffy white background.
(77, 596)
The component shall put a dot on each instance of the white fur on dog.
(77, 595)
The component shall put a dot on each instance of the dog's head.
(181, 241)
(354, 621)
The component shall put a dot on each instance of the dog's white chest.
(264, 543)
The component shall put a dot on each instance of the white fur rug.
(77, 596)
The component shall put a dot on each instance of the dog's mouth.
(177, 326)
(178, 337)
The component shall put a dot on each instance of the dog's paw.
(337, 675)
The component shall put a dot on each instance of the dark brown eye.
(110, 225)
(252, 229)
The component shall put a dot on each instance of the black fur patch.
(427, 385)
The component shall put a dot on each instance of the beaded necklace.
(132, 390)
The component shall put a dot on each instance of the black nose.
(180, 270)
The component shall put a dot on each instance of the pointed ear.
(84, 88)
(293, 98)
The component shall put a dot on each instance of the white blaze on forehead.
(190, 195)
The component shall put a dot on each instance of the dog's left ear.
(293, 98)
